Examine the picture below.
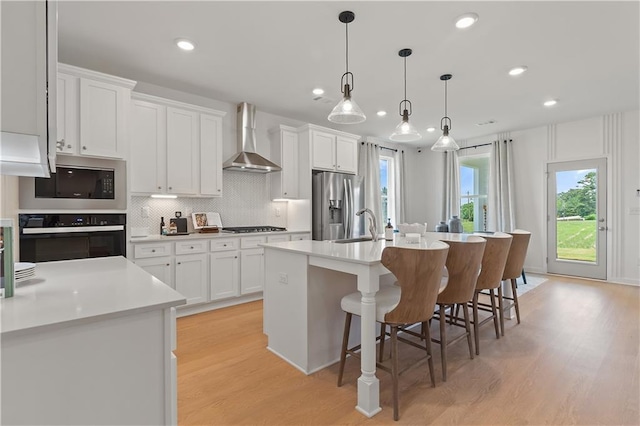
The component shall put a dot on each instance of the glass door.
(576, 218)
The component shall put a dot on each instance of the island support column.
(368, 383)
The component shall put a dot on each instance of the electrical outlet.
(188, 211)
(284, 278)
(145, 211)
(277, 211)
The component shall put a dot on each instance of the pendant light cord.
(445, 98)
(346, 32)
(405, 78)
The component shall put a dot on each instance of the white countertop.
(208, 235)
(84, 289)
(365, 252)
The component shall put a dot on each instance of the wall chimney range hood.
(247, 160)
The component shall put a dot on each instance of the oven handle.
(69, 229)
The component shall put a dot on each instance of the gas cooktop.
(247, 229)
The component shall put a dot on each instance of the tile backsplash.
(245, 202)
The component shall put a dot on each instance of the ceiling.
(585, 54)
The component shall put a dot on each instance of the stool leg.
(427, 339)
(345, 342)
(495, 312)
(467, 326)
(514, 285)
(501, 308)
(383, 329)
(394, 369)
(476, 328)
(443, 342)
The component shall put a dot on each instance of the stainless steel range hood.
(247, 160)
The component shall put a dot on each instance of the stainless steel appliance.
(336, 197)
(49, 237)
(249, 229)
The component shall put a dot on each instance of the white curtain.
(369, 169)
(451, 194)
(399, 178)
(501, 216)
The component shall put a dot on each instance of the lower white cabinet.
(191, 277)
(251, 270)
(159, 267)
(225, 275)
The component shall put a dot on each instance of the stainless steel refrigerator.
(336, 197)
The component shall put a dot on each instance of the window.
(474, 187)
(387, 189)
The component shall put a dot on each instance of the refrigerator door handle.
(348, 207)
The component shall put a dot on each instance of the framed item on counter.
(202, 220)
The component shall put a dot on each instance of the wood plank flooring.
(573, 360)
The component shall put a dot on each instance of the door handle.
(601, 220)
(602, 228)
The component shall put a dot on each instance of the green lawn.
(577, 240)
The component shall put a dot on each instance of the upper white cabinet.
(176, 148)
(92, 113)
(285, 152)
(332, 150)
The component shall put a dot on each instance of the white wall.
(613, 136)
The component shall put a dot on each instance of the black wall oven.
(49, 237)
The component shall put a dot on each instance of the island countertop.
(83, 290)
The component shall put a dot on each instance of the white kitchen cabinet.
(94, 113)
(278, 238)
(142, 251)
(251, 270)
(148, 153)
(210, 155)
(284, 151)
(159, 267)
(192, 246)
(67, 114)
(330, 149)
(300, 236)
(176, 148)
(182, 151)
(191, 277)
(225, 274)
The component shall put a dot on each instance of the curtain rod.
(382, 147)
(482, 144)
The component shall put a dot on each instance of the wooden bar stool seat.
(512, 270)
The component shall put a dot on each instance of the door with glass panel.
(577, 218)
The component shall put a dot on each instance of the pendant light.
(347, 111)
(445, 142)
(405, 131)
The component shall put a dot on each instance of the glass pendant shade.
(445, 142)
(347, 111)
(405, 131)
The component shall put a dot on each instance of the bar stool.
(463, 263)
(512, 270)
(419, 273)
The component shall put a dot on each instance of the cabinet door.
(346, 155)
(323, 147)
(160, 267)
(102, 116)
(251, 270)
(182, 151)
(224, 275)
(210, 155)
(148, 148)
(191, 277)
(67, 114)
(290, 162)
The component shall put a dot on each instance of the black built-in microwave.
(77, 183)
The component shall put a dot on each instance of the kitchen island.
(89, 342)
(304, 283)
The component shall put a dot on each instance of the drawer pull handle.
(84, 147)
(168, 264)
(191, 247)
(153, 251)
(179, 263)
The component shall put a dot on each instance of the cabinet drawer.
(152, 250)
(187, 247)
(251, 242)
(277, 238)
(224, 244)
(298, 237)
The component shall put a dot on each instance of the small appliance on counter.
(178, 225)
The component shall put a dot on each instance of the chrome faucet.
(373, 227)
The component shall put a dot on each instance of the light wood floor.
(573, 360)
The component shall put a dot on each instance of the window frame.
(391, 195)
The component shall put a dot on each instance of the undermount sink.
(352, 240)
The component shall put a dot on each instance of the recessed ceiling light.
(517, 70)
(431, 129)
(381, 113)
(466, 20)
(318, 91)
(185, 44)
(550, 103)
